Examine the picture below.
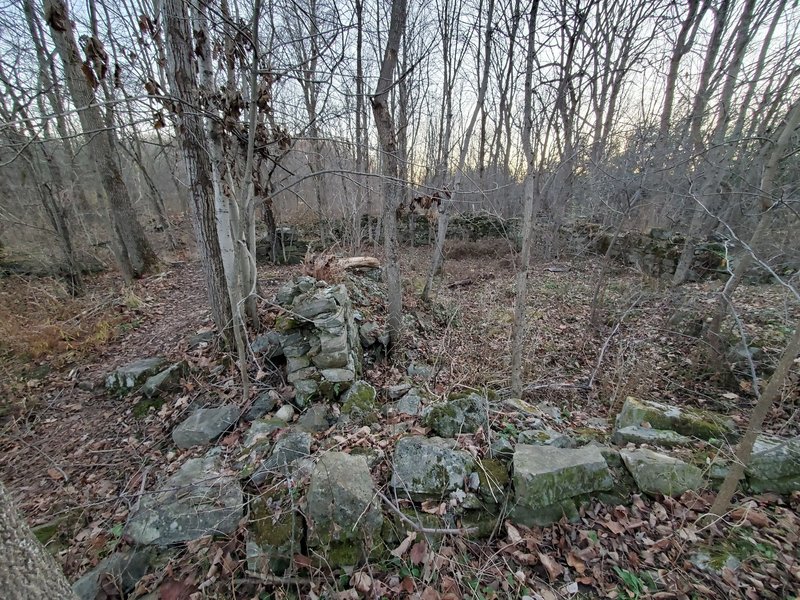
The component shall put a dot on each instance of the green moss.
(142, 408)
(494, 479)
(285, 323)
(359, 399)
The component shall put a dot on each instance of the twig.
(427, 530)
(273, 579)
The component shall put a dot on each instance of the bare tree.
(392, 185)
(133, 252)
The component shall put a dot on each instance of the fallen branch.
(358, 262)
(426, 530)
(462, 283)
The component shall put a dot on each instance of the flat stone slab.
(656, 473)
(196, 501)
(205, 425)
(545, 437)
(690, 422)
(131, 376)
(341, 504)
(428, 467)
(544, 475)
(644, 435)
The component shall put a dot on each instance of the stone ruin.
(302, 494)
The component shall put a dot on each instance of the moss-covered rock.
(459, 414)
(425, 468)
(275, 534)
(359, 399)
(656, 473)
(494, 479)
(690, 422)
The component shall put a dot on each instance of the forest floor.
(77, 459)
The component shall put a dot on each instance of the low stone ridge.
(690, 422)
(129, 377)
(460, 414)
(196, 501)
(121, 569)
(643, 435)
(656, 473)
(342, 510)
(205, 425)
(321, 339)
(545, 475)
(425, 468)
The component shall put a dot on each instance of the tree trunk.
(521, 286)
(393, 187)
(193, 144)
(133, 252)
(27, 572)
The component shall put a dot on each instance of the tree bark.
(393, 187)
(193, 144)
(27, 571)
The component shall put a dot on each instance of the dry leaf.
(361, 582)
(554, 570)
(513, 533)
(418, 552)
(405, 544)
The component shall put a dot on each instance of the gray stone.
(465, 414)
(296, 344)
(315, 419)
(121, 570)
(313, 304)
(545, 437)
(131, 376)
(686, 421)
(501, 449)
(656, 473)
(544, 516)
(196, 501)
(285, 413)
(269, 345)
(263, 403)
(200, 340)
(296, 363)
(338, 375)
(260, 430)
(428, 467)
(420, 370)
(409, 404)
(395, 392)
(331, 360)
(305, 390)
(359, 399)
(341, 505)
(775, 465)
(520, 406)
(304, 374)
(205, 425)
(166, 381)
(644, 435)
(544, 475)
(289, 449)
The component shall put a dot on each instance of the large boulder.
(196, 501)
(341, 508)
(775, 466)
(205, 425)
(656, 473)
(460, 414)
(129, 377)
(690, 422)
(425, 468)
